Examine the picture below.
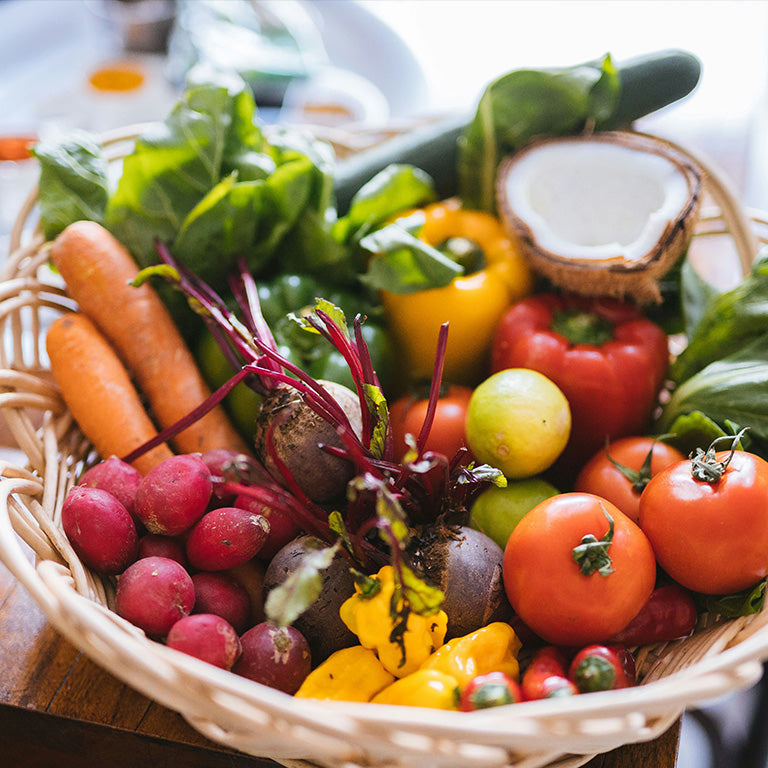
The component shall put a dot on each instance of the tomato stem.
(592, 554)
(639, 478)
(704, 464)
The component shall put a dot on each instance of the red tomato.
(711, 537)
(548, 588)
(603, 478)
(448, 433)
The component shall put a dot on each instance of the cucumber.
(648, 83)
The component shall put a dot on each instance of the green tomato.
(497, 511)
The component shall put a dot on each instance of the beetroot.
(218, 460)
(206, 637)
(224, 596)
(114, 475)
(275, 656)
(100, 529)
(154, 593)
(224, 538)
(174, 495)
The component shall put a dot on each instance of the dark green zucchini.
(648, 83)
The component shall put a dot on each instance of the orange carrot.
(97, 270)
(98, 391)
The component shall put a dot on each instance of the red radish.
(154, 593)
(275, 656)
(100, 529)
(206, 637)
(174, 495)
(282, 528)
(157, 545)
(114, 475)
(221, 461)
(224, 538)
(251, 576)
(224, 596)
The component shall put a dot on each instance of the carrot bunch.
(122, 348)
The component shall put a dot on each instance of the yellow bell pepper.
(492, 648)
(423, 688)
(472, 304)
(351, 674)
(370, 618)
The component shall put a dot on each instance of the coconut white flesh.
(596, 200)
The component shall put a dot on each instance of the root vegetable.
(206, 637)
(100, 529)
(282, 528)
(154, 593)
(251, 576)
(114, 475)
(296, 433)
(157, 545)
(320, 623)
(97, 270)
(222, 595)
(224, 538)
(174, 495)
(275, 656)
(467, 566)
(98, 391)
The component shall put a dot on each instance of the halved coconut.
(606, 214)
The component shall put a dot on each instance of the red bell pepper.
(608, 359)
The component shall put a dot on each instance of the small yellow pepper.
(472, 304)
(492, 648)
(423, 688)
(351, 674)
(370, 618)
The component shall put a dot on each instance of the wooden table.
(58, 708)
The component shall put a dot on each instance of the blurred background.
(361, 66)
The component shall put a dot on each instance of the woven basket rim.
(235, 711)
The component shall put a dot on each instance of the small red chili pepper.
(602, 668)
(545, 676)
(490, 690)
(669, 614)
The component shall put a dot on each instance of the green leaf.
(693, 430)
(377, 404)
(401, 263)
(286, 602)
(696, 296)
(732, 320)
(734, 389)
(745, 603)
(73, 181)
(523, 105)
(395, 189)
(422, 597)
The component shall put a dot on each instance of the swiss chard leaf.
(73, 181)
(731, 320)
(401, 263)
(731, 390)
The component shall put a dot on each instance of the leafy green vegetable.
(402, 263)
(744, 603)
(731, 321)
(73, 181)
(693, 430)
(732, 390)
(527, 103)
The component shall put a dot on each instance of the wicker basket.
(719, 658)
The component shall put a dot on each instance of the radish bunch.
(179, 546)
